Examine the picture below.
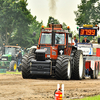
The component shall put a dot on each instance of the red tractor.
(55, 56)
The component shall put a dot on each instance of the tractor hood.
(6, 55)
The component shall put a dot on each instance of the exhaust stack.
(53, 35)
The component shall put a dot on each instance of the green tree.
(64, 26)
(26, 38)
(14, 16)
(35, 27)
(86, 12)
(51, 19)
(96, 14)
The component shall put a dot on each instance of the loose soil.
(14, 87)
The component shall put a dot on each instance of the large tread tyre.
(32, 51)
(13, 66)
(19, 67)
(78, 69)
(93, 74)
(30, 58)
(84, 68)
(25, 68)
(72, 62)
(63, 68)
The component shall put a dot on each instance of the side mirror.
(98, 40)
(70, 34)
(34, 33)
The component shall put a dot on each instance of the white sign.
(86, 51)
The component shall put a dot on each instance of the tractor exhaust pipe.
(53, 35)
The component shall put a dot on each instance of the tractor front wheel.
(25, 68)
(32, 57)
(13, 66)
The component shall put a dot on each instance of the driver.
(19, 57)
(85, 40)
(57, 40)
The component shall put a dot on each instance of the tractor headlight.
(48, 56)
(4, 58)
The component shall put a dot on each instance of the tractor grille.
(41, 67)
(48, 49)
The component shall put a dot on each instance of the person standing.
(85, 40)
(19, 56)
(75, 40)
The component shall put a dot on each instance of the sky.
(63, 10)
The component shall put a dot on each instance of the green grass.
(90, 98)
(9, 72)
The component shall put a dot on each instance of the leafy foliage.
(17, 24)
(87, 12)
(25, 38)
(14, 16)
(51, 19)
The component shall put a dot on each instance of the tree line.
(17, 24)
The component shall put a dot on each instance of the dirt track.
(14, 87)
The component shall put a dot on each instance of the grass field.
(90, 98)
(10, 72)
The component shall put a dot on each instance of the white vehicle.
(91, 51)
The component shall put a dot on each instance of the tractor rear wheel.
(63, 67)
(78, 65)
(13, 66)
(94, 73)
(84, 68)
(25, 68)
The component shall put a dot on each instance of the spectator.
(75, 40)
(19, 56)
(85, 40)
